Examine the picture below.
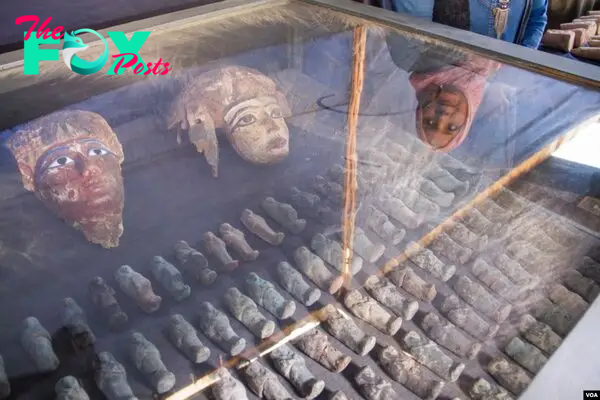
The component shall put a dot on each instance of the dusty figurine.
(531, 258)
(467, 319)
(483, 390)
(170, 278)
(216, 327)
(291, 365)
(540, 334)
(227, 387)
(509, 375)
(527, 355)
(339, 395)
(408, 280)
(146, 358)
(245, 104)
(434, 193)
(364, 247)
(331, 190)
(257, 225)
(590, 269)
(317, 346)
(111, 378)
(367, 309)
(4, 383)
(264, 383)
(581, 285)
(72, 161)
(388, 294)
(266, 295)
(404, 369)
(218, 249)
(512, 269)
(194, 263)
(73, 318)
(236, 239)
(493, 212)
(103, 297)
(37, 343)
(332, 253)
(429, 354)
(308, 203)
(494, 280)
(448, 335)
(69, 388)
(426, 260)
(344, 329)
(465, 237)
(184, 337)
(315, 269)
(480, 225)
(373, 386)
(560, 320)
(447, 182)
(292, 281)
(245, 310)
(397, 210)
(383, 227)
(477, 297)
(570, 301)
(139, 288)
(283, 213)
(419, 204)
(443, 244)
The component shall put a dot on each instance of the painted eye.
(452, 128)
(429, 122)
(61, 162)
(247, 120)
(97, 151)
(276, 113)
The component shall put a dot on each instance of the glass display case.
(317, 200)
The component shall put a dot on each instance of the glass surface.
(118, 169)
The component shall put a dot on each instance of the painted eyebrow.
(237, 115)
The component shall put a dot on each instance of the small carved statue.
(559, 319)
(479, 224)
(540, 334)
(590, 269)
(317, 346)
(512, 269)
(111, 378)
(429, 354)
(285, 214)
(509, 375)
(383, 227)
(258, 225)
(534, 260)
(194, 263)
(218, 249)
(331, 190)
(572, 302)
(333, 253)
(227, 387)
(308, 203)
(315, 269)
(419, 204)
(483, 390)
(494, 280)
(37, 343)
(292, 367)
(170, 278)
(184, 337)
(103, 297)
(365, 248)
(581, 285)
(449, 336)
(216, 327)
(476, 296)
(373, 386)
(408, 279)
(493, 212)
(4, 383)
(444, 245)
(527, 355)
(367, 309)
(139, 288)
(388, 294)
(344, 329)
(73, 318)
(245, 310)
(446, 181)
(465, 237)
(69, 388)
(396, 209)
(146, 358)
(434, 193)
(339, 395)
(264, 383)
(236, 239)
(292, 281)
(266, 295)
(467, 319)
(426, 260)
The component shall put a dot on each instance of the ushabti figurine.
(448, 335)
(37, 343)
(572, 302)
(317, 346)
(446, 181)
(292, 367)
(467, 319)
(103, 297)
(266, 295)
(332, 190)
(560, 320)
(527, 355)
(480, 299)
(373, 386)
(245, 310)
(465, 237)
(540, 334)
(332, 252)
(292, 281)
(227, 387)
(388, 294)
(138, 287)
(434, 193)
(581, 285)
(308, 203)
(264, 383)
(590, 269)
(429, 354)
(236, 239)
(365, 248)
(483, 390)
(493, 211)
(184, 337)
(218, 249)
(194, 263)
(480, 225)
(535, 261)
(510, 200)
(4, 383)
(315, 269)
(404, 369)
(509, 375)
(494, 280)
(426, 260)
(367, 309)
(383, 227)
(408, 280)
(111, 378)
(258, 225)
(69, 388)
(344, 329)
(146, 358)
(283, 213)
(170, 278)
(215, 326)
(443, 244)
(419, 204)
(339, 395)
(73, 318)
(396, 209)
(513, 270)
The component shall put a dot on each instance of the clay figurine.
(581, 285)
(480, 225)
(339, 395)
(426, 260)
(194, 263)
(408, 280)
(449, 336)
(266, 295)
(540, 334)
(146, 358)
(138, 287)
(477, 297)
(367, 309)
(467, 319)
(383, 227)
(111, 378)
(184, 337)
(397, 210)
(493, 212)
(215, 325)
(4, 383)
(73, 318)
(316, 345)
(509, 375)
(37, 343)
(264, 383)
(388, 294)
(527, 355)
(590, 269)
(257, 225)
(292, 281)
(512, 269)
(284, 214)
(444, 245)
(331, 190)
(419, 204)
(344, 329)
(560, 320)
(447, 182)
(170, 278)
(494, 280)
(315, 269)
(69, 388)
(531, 258)
(465, 237)
(218, 249)
(246, 311)
(244, 103)
(365, 248)
(227, 387)
(570, 301)
(103, 297)
(373, 386)
(436, 194)
(332, 253)
(483, 390)
(236, 239)
(308, 203)
(291, 365)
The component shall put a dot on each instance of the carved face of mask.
(257, 130)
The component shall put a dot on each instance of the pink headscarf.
(470, 78)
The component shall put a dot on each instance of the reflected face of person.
(442, 114)
(80, 180)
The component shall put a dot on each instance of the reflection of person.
(72, 161)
